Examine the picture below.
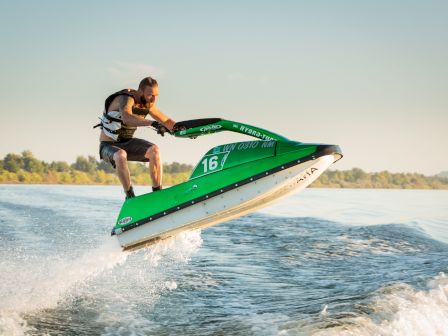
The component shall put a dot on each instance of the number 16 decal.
(213, 162)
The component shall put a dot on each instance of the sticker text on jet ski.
(306, 174)
(210, 128)
(248, 145)
(255, 133)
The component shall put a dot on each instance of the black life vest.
(111, 121)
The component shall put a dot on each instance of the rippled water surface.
(322, 262)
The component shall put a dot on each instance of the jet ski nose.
(304, 149)
(334, 150)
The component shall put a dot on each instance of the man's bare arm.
(127, 117)
(161, 117)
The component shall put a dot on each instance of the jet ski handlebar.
(196, 127)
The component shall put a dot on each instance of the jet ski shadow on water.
(229, 181)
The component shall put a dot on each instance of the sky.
(370, 76)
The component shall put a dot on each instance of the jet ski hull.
(229, 204)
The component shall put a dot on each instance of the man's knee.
(120, 157)
(153, 152)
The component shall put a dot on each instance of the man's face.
(150, 94)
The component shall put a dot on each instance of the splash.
(11, 323)
(41, 283)
(175, 249)
(147, 275)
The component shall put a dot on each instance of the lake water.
(322, 262)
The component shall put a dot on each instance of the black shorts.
(134, 148)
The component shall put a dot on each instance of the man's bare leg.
(121, 163)
(155, 166)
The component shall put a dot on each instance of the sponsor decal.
(248, 145)
(245, 145)
(255, 133)
(307, 173)
(210, 128)
(268, 144)
(229, 147)
(124, 220)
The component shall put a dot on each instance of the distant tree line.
(357, 178)
(25, 168)
(443, 175)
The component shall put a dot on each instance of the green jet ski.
(229, 181)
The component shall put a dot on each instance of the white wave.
(400, 310)
(12, 324)
(37, 283)
(145, 277)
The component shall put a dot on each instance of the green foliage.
(83, 164)
(177, 167)
(105, 166)
(357, 178)
(13, 163)
(443, 175)
(31, 164)
(137, 168)
(25, 168)
(59, 166)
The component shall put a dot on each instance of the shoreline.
(148, 185)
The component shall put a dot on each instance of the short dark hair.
(148, 81)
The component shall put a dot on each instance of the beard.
(149, 102)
